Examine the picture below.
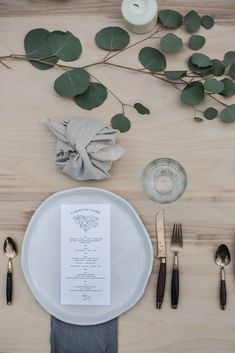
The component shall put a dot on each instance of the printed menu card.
(85, 254)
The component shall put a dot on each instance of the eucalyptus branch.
(192, 85)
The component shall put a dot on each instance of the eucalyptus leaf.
(120, 122)
(64, 45)
(228, 114)
(229, 58)
(152, 59)
(112, 38)
(141, 109)
(201, 60)
(170, 43)
(203, 71)
(196, 42)
(229, 88)
(174, 75)
(193, 93)
(207, 22)
(218, 67)
(72, 83)
(170, 18)
(192, 21)
(36, 47)
(210, 113)
(93, 97)
(232, 71)
(213, 86)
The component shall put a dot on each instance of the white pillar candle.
(140, 15)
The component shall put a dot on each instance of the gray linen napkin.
(67, 338)
(85, 148)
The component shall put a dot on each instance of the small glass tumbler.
(164, 180)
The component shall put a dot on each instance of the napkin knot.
(85, 148)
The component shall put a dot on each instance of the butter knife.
(161, 254)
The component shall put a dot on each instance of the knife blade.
(161, 254)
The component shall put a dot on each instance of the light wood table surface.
(28, 175)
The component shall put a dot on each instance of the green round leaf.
(210, 113)
(141, 108)
(93, 97)
(218, 67)
(229, 88)
(201, 60)
(193, 93)
(229, 58)
(192, 21)
(170, 43)
(174, 75)
(228, 114)
(232, 71)
(170, 18)
(64, 45)
(120, 122)
(196, 42)
(207, 22)
(112, 38)
(213, 86)
(152, 59)
(72, 83)
(36, 47)
(203, 71)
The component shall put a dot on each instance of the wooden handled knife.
(161, 254)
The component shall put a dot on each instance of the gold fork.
(176, 247)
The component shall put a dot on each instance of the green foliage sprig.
(44, 49)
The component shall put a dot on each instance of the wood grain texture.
(207, 209)
(221, 10)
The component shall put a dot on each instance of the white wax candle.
(140, 15)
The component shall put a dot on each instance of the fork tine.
(173, 236)
(181, 234)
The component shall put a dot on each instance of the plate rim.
(24, 259)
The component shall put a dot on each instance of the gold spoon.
(10, 251)
(222, 258)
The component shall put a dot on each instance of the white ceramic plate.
(131, 257)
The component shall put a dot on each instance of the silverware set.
(176, 248)
(222, 259)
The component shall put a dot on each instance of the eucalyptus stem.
(112, 93)
(217, 100)
(159, 29)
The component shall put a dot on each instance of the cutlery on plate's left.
(161, 254)
(10, 251)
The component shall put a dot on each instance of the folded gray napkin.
(85, 148)
(67, 338)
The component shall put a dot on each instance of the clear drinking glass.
(164, 180)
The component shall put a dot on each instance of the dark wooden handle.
(161, 285)
(9, 288)
(223, 294)
(175, 288)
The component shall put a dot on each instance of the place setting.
(87, 254)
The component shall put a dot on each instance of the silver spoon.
(222, 258)
(10, 251)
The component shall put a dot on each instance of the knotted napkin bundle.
(85, 148)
